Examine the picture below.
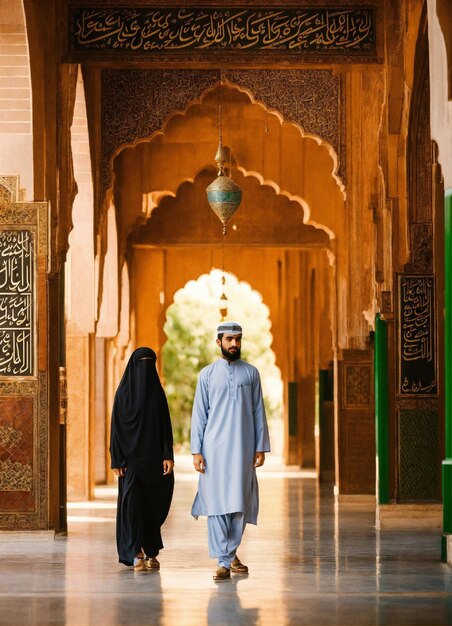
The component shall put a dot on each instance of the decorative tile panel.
(24, 446)
(358, 385)
(419, 460)
(17, 416)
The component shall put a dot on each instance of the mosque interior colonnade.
(303, 168)
(299, 286)
(185, 219)
(342, 208)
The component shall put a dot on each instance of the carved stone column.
(419, 296)
(356, 428)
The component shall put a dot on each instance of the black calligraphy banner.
(16, 302)
(157, 30)
(417, 336)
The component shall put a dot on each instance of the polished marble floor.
(310, 564)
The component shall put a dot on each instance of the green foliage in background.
(190, 328)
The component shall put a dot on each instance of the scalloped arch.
(255, 101)
(152, 199)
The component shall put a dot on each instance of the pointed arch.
(191, 321)
(188, 140)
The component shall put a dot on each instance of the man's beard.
(230, 356)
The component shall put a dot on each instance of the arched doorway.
(282, 242)
(190, 329)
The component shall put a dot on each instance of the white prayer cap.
(229, 328)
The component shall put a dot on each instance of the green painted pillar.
(381, 408)
(447, 463)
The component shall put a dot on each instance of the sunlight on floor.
(105, 495)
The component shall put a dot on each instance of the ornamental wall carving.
(358, 383)
(23, 388)
(356, 431)
(419, 454)
(418, 296)
(136, 103)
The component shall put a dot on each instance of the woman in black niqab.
(141, 449)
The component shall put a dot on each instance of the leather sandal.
(140, 566)
(238, 567)
(152, 563)
(222, 573)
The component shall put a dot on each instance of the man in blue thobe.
(229, 439)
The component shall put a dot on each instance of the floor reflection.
(225, 608)
(311, 562)
(147, 608)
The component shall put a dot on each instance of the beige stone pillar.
(80, 483)
(80, 316)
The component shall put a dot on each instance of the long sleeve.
(200, 414)
(117, 454)
(262, 439)
(118, 458)
(167, 435)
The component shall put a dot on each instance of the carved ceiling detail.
(136, 103)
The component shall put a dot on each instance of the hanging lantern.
(223, 194)
(223, 302)
(223, 306)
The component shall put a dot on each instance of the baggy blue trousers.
(225, 534)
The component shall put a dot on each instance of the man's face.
(230, 346)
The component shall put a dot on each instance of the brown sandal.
(152, 563)
(222, 573)
(140, 566)
(238, 567)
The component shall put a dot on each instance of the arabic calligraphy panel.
(292, 31)
(24, 411)
(16, 302)
(417, 335)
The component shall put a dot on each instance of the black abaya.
(141, 439)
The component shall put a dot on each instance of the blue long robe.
(228, 427)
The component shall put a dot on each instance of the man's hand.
(199, 463)
(168, 465)
(259, 459)
(120, 471)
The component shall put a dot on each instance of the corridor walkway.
(310, 564)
